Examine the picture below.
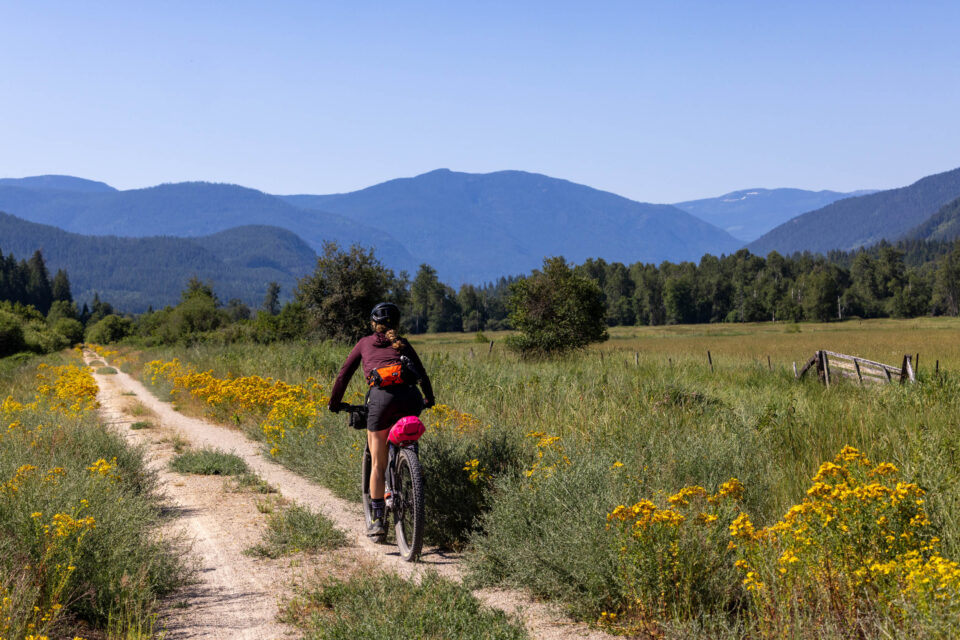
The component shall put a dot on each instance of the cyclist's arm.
(424, 379)
(343, 378)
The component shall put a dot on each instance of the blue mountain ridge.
(477, 227)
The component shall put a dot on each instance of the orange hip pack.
(386, 376)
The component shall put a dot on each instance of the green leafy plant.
(555, 310)
(209, 462)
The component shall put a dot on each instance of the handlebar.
(352, 408)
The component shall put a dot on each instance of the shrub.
(110, 329)
(42, 339)
(556, 310)
(69, 328)
(11, 335)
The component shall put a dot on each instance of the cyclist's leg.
(377, 441)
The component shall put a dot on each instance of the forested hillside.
(864, 220)
(943, 225)
(477, 227)
(188, 210)
(136, 273)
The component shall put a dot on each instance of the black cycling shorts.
(387, 405)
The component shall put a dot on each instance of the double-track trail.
(238, 596)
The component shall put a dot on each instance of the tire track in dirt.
(542, 621)
(234, 596)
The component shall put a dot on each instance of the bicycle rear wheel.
(365, 468)
(408, 504)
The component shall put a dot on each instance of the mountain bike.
(404, 489)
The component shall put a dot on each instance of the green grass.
(107, 371)
(386, 607)
(209, 462)
(97, 363)
(298, 529)
(141, 425)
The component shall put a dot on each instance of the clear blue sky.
(659, 101)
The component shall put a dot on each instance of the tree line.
(38, 313)
(908, 279)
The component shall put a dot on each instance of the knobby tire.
(408, 504)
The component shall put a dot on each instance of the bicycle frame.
(404, 481)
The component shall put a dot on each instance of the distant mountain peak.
(749, 213)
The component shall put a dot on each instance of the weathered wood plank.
(812, 361)
(863, 361)
(837, 363)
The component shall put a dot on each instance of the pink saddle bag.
(406, 430)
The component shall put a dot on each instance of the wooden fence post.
(826, 369)
(710, 360)
(769, 365)
(795, 369)
(856, 365)
(490, 350)
(636, 358)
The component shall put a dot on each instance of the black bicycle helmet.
(386, 313)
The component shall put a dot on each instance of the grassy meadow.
(713, 471)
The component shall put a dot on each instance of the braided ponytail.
(396, 341)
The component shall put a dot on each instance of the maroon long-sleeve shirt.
(376, 351)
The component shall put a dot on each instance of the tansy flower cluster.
(550, 454)
(860, 539)
(442, 417)
(671, 552)
(68, 388)
(859, 542)
(279, 407)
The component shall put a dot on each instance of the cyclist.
(392, 369)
